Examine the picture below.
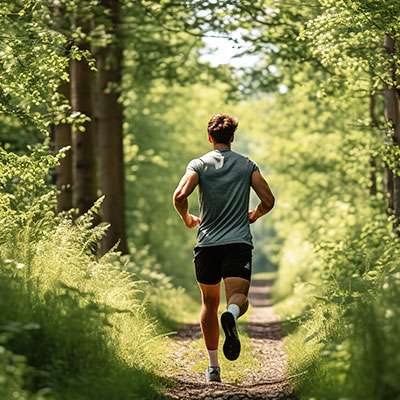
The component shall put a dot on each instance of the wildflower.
(20, 265)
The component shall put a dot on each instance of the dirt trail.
(264, 329)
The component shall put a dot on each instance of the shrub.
(72, 325)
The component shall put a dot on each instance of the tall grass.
(345, 342)
(73, 326)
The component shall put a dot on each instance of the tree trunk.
(62, 138)
(392, 114)
(372, 163)
(84, 160)
(109, 63)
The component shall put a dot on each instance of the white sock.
(235, 310)
(213, 358)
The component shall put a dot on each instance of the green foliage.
(13, 368)
(35, 54)
(72, 324)
(81, 327)
(337, 281)
(346, 337)
(28, 90)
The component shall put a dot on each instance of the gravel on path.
(266, 334)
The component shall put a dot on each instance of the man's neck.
(219, 146)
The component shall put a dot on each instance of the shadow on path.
(260, 292)
(270, 330)
(265, 331)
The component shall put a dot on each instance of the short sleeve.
(254, 166)
(195, 165)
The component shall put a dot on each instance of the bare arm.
(186, 186)
(260, 186)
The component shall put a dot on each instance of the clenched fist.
(252, 216)
(191, 221)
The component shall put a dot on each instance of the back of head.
(221, 128)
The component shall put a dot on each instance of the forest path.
(266, 334)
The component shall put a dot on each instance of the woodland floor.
(266, 334)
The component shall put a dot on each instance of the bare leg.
(209, 314)
(236, 290)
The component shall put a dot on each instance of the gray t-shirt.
(224, 189)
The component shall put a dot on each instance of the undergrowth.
(343, 311)
(72, 325)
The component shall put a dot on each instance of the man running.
(224, 242)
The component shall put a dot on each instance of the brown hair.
(221, 127)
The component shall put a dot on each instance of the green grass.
(77, 323)
(73, 325)
(346, 294)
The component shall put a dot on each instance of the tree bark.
(84, 151)
(392, 114)
(373, 185)
(109, 63)
(62, 138)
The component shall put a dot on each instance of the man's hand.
(191, 221)
(252, 216)
(260, 186)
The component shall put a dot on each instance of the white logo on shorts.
(247, 266)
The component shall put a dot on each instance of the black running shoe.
(232, 343)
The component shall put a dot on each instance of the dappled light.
(103, 106)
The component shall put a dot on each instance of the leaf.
(311, 337)
(337, 299)
(324, 299)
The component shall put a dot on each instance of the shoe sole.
(232, 343)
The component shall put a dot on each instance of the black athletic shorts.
(228, 260)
